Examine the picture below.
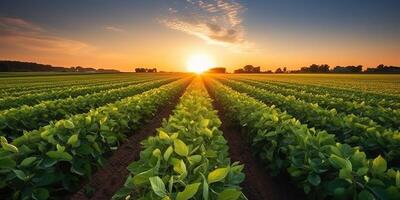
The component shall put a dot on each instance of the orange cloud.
(23, 34)
(215, 21)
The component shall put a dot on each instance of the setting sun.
(199, 63)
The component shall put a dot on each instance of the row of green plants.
(34, 98)
(14, 121)
(19, 89)
(187, 159)
(386, 117)
(55, 158)
(23, 84)
(321, 165)
(351, 129)
(48, 87)
(37, 80)
(16, 87)
(350, 95)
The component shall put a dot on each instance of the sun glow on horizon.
(199, 63)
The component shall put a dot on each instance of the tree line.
(18, 66)
(324, 68)
(145, 70)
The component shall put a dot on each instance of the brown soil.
(258, 184)
(108, 180)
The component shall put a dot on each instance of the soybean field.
(207, 136)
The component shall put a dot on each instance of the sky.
(125, 34)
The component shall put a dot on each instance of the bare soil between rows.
(109, 179)
(258, 184)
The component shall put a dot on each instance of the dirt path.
(258, 185)
(112, 176)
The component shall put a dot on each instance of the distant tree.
(145, 70)
(278, 71)
(238, 71)
(17, 66)
(221, 70)
(347, 69)
(249, 69)
(383, 69)
(324, 68)
(314, 68)
(256, 69)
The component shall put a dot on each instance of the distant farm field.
(210, 136)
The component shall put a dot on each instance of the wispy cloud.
(20, 33)
(215, 21)
(115, 29)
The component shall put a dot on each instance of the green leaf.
(158, 186)
(398, 178)
(207, 132)
(7, 163)
(73, 140)
(188, 192)
(60, 148)
(194, 159)
(3, 139)
(69, 124)
(204, 122)
(362, 171)
(345, 174)
(40, 194)
(180, 147)
(217, 175)
(9, 147)
(205, 188)
(163, 135)
(314, 179)
(88, 120)
(28, 161)
(174, 135)
(21, 175)
(157, 153)
(229, 194)
(122, 193)
(180, 167)
(340, 163)
(143, 177)
(275, 118)
(170, 184)
(57, 155)
(168, 153)
(379, 165)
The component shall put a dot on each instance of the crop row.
(14, 86)
(322, 166)
(50, 87)
(34, 98)
(350, 95)
(386, 117)
(350, 129)
(25, 118)
(56, 157)
(61, 85)
(187, 159)
(21, 82)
